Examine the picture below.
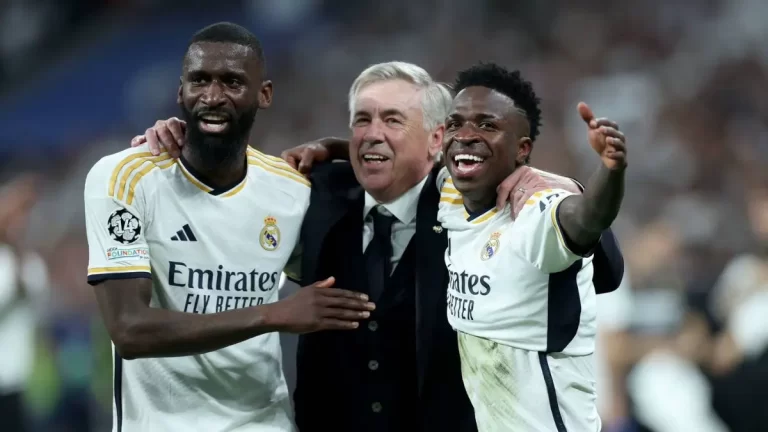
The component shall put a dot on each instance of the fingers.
(345, 314)
(176, 128)
(336, 324)
(586, 114)
(326, 283)
(305, 160)
(166, 138)
(506, 188)
(138, 140)
(355, 304)
(154, 143)
(604, 122)
(288, 157)
(612, 132)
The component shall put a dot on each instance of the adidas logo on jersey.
(184, 234)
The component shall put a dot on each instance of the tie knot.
(382, 220)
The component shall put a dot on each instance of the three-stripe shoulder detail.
(275, 166)
(130, 170)
(449, 194)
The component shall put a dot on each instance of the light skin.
(390, 150)
(224, 79)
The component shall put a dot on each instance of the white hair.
(436, 98)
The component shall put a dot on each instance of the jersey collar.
(199, 180)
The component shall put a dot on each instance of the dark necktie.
(378, 254)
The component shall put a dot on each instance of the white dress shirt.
(403, 228)
(403, 209)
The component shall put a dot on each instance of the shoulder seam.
(130, 170)
(275, 166)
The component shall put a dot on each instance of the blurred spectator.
(23, 288)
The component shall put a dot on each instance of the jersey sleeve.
(539, 236)
(117, 248)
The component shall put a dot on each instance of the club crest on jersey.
(123, 226)
(269, 238)
(491, 248)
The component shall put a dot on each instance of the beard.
(223, 147)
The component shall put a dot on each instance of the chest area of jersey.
(242, 247)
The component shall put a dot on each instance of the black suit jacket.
(337, 198)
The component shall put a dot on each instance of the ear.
(265, 95)
(179, 100)
(524, 147)
(436, 141)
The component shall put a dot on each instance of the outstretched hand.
(605, 138)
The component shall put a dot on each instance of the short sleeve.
(117, 248)
(538, 234)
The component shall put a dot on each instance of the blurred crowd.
(683, 344)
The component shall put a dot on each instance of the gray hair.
(436, 98)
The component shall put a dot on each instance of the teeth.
(374, 157)
(467, 157)
(213, 118)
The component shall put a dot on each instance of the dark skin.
(484, 123)
(487, 123)
(227, 78)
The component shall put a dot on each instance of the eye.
(393, 121)
(233, 82)
(360, 121)
(452, 124)
(486, 126)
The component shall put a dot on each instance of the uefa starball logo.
(124, 227)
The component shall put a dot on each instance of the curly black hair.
(511, 84)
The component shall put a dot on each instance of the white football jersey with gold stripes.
(523, 305)
(207, 250)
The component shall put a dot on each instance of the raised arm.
(584, 217)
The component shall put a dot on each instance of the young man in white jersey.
(521, 295)
(186, 256)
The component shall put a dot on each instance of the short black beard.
(216, 150)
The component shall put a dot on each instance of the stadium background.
(685, 80)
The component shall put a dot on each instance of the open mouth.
(467, 165)
(213, 123)
(374, 159)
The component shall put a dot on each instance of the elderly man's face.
(390, 149)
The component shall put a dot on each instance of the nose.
(374, 133)
(466, 136)
(213, 96)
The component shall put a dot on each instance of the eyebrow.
(384, 113)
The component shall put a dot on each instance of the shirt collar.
(403, 207)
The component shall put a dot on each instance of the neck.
(220, 170)
(397, 190)
(480, 203)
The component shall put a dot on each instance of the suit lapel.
(431, 241)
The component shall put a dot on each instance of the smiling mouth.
(374, 159)
(467, 164)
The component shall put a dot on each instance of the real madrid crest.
(491, 248)
(269, 238)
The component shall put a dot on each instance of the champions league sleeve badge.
(124, 227)
(269, 238)
(491, 247)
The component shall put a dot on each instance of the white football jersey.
(206, 250)
(524, 307)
